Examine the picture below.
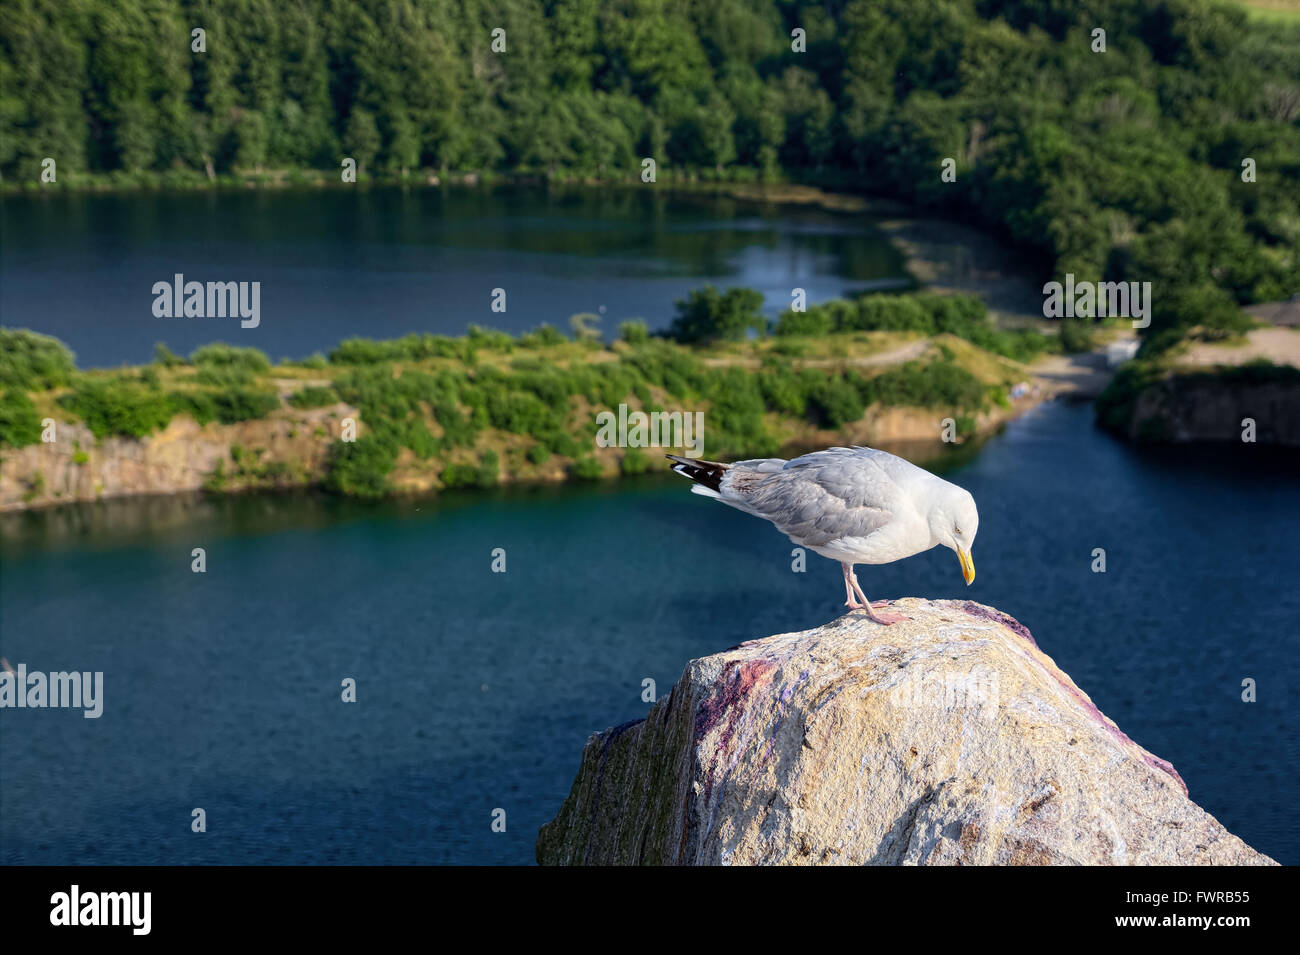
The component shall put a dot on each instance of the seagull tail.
(708, 474)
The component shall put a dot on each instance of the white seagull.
(854, 505)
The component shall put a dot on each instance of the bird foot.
(885, 619)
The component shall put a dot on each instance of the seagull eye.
(956, 530)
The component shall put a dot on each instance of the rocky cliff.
(287, 449)
(947, 739)
(1187, 408)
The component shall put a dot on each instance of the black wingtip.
(708, 473)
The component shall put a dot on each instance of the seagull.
(854, 505)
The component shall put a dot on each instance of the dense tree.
(1123, 165)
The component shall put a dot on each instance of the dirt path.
(890, 356)
(1278, 345)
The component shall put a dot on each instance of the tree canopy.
(1123, 165)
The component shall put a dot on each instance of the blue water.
(477, 690)
(383, 262)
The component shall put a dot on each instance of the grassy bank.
(436, 411)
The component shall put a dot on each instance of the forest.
(1122, 165)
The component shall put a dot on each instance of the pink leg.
(852, 601)
(883, 618)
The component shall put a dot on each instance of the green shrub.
(480, 337)
(782, 388)
(586, 468)
(197, 404)
(19, 423)
(315, 361)
(937, 384)
(484, 474)
(360, 468)
(118, 406)
(634, 332)
(162, 355)
(835, 403)
(224, 376)
(32, 361)
(1076, 336)
(222, 355)
(416, 436)
(314, 396)
(243, 404)
(708, 316)
(489, 469)
(634, 461)
(815, 321)
(543, 336)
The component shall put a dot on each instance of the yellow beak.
(967, 565)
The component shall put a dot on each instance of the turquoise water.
(476, 690)
(383, 262)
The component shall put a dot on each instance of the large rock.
(949, 738)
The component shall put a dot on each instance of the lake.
(383, 262)
(476, 690)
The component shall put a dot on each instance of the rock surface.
(946, 739)
(1192, 408)
(180, 457)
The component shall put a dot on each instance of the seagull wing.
(819, 497)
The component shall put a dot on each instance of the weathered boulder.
(946, 739)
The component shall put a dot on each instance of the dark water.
(476, 690)
(384, 262)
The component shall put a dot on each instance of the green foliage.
(1115, 403)
(230, 357)
(164, 356)
(1077, 336)
(927, 313)
(586, 468)
(313, 396)
(634, 461)
(484, 474)
(243, 404)
(480, 337)
(316, 362)
(544, 336)
(118, 406)
(19, 423)
(707, 315)
(360, 468)
(835, 402)
(634, 332)
(935, 384)
(1119, 167)
(414, 347)
(31, 361)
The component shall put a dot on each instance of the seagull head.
(953, 522)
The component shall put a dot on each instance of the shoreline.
(973, 262)
(904, 430)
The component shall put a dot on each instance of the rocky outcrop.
(286, 449)
(949, 738)
(1216, 408)
(1194, 401)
